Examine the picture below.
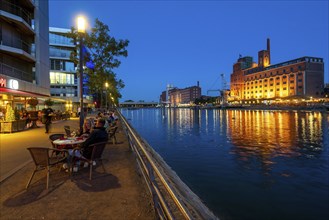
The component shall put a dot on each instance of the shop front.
(14, 107)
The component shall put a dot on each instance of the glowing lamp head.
(81, 24)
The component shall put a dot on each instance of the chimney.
(198, 84)
(269, 50)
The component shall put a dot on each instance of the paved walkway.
(120, 193)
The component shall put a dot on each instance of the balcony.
(15, 73)
(17, 16)
(16, 47)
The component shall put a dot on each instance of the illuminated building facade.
(63, 78)
(260, 82)
(181, 97)
(24, 53)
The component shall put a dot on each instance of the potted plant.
(49, 102)
(33, 102)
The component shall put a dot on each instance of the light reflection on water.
(245, 164)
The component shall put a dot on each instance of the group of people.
(95, 132)
(111, 120)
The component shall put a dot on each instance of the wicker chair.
(44, 158)
(53, 137)
(67, 130)
(97, 152)
(112, 131)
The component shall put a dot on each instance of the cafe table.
(69, 142)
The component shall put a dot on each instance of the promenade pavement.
(119, 193)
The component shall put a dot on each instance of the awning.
(21, 93)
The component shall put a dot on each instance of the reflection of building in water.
(267, 135)
(253, 83)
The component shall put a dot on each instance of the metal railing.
(15, 73)
(12, 41)
(16, 10)
(172, 199)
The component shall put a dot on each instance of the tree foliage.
(105, 52)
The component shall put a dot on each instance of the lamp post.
(81, 31)
(106, 86)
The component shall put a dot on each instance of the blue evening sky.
(182, 42)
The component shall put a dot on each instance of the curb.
(13, 171)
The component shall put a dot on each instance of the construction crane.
(221, 91)
(224, 86)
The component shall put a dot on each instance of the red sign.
(3, 82)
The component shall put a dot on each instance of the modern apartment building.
(262, 82)
(181, 97)
(24, 52)
(64, 83)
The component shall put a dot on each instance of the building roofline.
(59, 30)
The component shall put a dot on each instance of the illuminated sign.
(13, 84)
(3, 82)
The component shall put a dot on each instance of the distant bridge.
(137, 104)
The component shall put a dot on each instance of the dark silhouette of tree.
(104, 52)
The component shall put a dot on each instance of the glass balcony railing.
(15, 73)
(11, 41)
(16, 10)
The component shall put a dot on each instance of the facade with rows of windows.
(24, 62)
(64, 85)
(181, 97)
(255, 83)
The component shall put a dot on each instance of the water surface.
(245, 164)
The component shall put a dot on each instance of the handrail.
(175, 199)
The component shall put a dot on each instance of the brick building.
(299, 78)
(177, 97)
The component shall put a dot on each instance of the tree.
(10, 114)
(105, 51)
(33, 102)
(49, 102)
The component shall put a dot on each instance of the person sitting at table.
(88, 125)
(98, 135)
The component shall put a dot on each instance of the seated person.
(98, 134)
(88, 125)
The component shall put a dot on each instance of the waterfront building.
(24, 52)
(64, 86)
(181, 97)
(263, 82)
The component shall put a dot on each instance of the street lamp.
(81, 30)
(106, 86)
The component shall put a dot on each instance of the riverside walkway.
(120, 193)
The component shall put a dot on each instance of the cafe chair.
(44, 158)
(96, 156)
(53, 137)
(112, 131)
(67, 130)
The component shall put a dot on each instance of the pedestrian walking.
(46, 117)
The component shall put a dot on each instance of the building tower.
(264, 56)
